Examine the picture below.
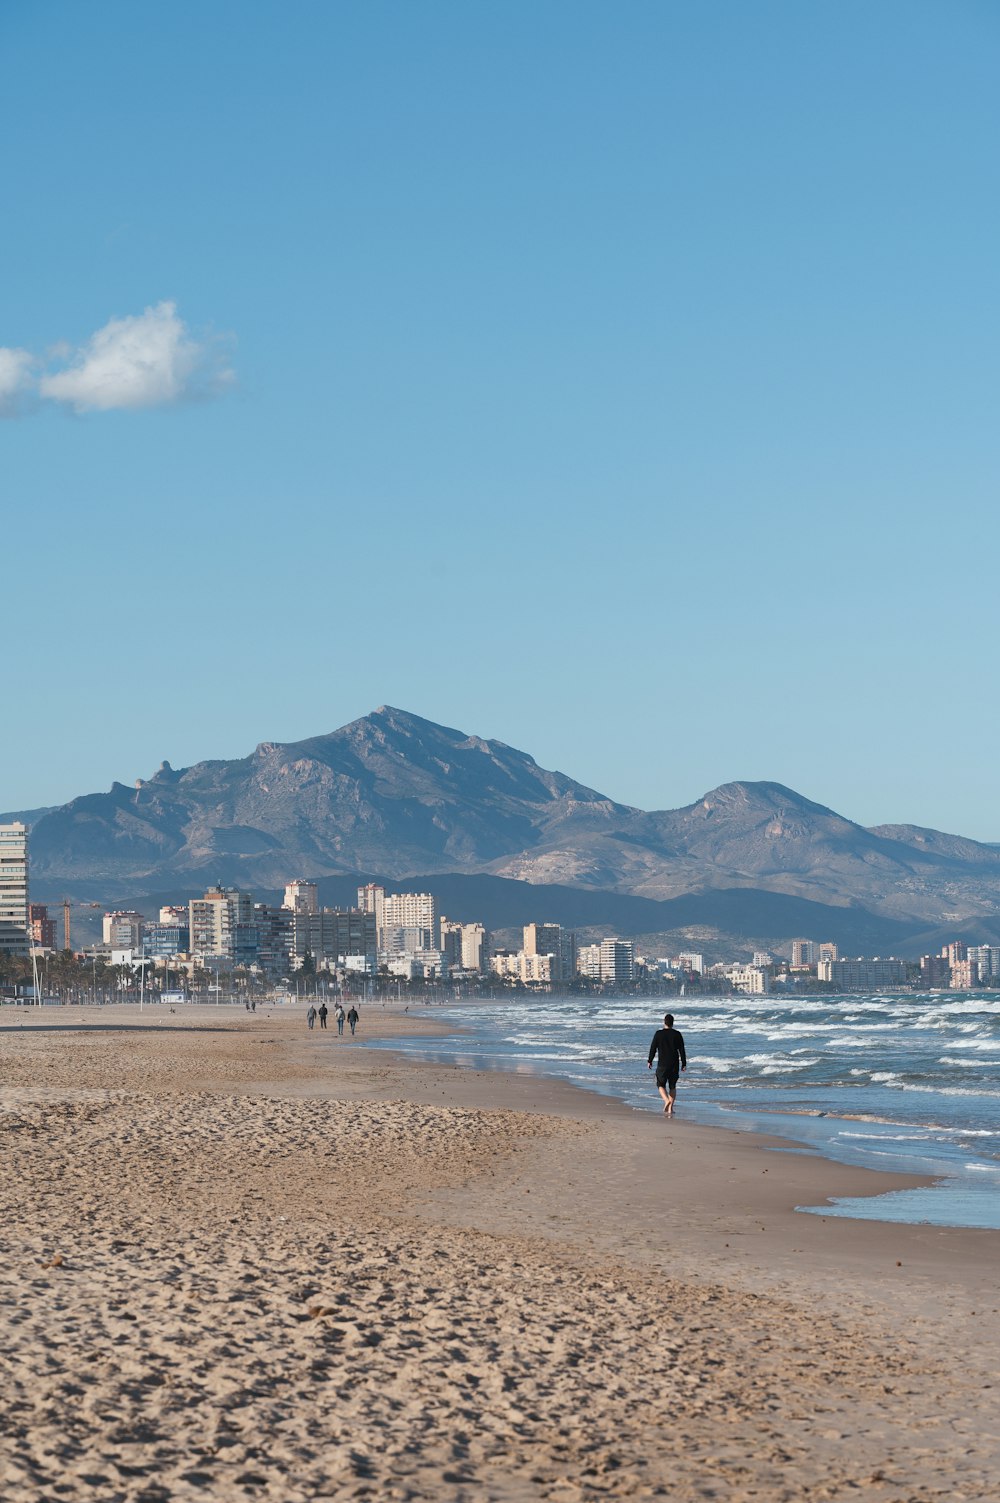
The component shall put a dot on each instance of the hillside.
(400, 795)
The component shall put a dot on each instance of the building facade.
(43, 928)
(862, 974)
(14, 889)
(301, 897)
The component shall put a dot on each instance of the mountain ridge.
(396, 793)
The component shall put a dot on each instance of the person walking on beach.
(668, 1045)
(322, 1014)
(340, 1015)
(311, 1015)
(352, 1017)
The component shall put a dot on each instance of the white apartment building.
(691, 962)
(14, 889)
(222, 924)
(400, 910)
(588, 962)
(986, 959)
(530, 970)
(611, 962)
(617, 961)
(862, 974)
(752, 979)
(122, 930)
(465, 945)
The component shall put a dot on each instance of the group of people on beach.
(352, 1016)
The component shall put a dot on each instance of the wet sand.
(241, 1260)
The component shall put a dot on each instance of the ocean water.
(887, 1082)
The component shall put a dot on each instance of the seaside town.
(394, 942)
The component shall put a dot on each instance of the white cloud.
(15, 378)
(146, 360)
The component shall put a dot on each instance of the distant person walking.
(311, 1016)
(339, 1014)
(352, 1018)
(322, 1014)
(668, 1047)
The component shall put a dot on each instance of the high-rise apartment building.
(803, 953)
(301, 897)
(333, 934)
(43, 928)
(275, 930)
(222, 926)
(122, 930)
(554, 940)
(14, 889)
(464, 945)
(617, 961)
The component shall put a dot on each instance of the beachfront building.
(690, 961)
(612, 962)
(529, 970)
(400, 910)
(986, 959)
(222, 926)
(934, 971)
(14, 889)
(465, 945)
(165, 941)
(617, 962)
(331, 934)
(754, 980)
(803, 954)
(964, 976)
(862, 974)
(552, 939)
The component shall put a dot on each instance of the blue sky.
(618, 381)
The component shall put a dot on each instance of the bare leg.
(666, 1099)
(669, 1108)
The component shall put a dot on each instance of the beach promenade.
(240, 1260)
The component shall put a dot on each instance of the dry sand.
(243, 1261)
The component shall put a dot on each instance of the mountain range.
(399, 796)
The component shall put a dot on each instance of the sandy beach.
(241, 1260)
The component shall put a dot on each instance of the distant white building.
(752, 979)
(862, 974)
(612, 962)
(122, 930)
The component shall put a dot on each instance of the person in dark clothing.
(668, 1046)
(322, 1014)
(352, 1018)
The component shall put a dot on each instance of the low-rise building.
(752, 979)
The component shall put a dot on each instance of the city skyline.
(652, 345)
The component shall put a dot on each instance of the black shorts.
(670, 1081)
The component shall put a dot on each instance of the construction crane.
(67, 904)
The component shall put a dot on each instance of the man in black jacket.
(668, 1043)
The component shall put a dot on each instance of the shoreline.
(246, 1261)
(947, 1188)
